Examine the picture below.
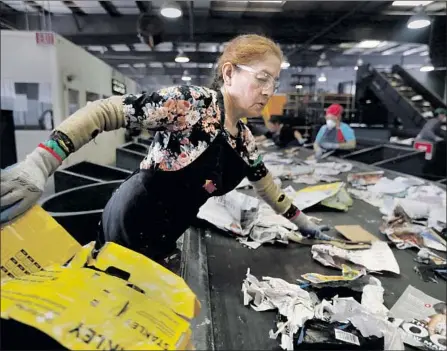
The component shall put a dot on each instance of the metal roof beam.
(102, 29)
(340, 60)
(110, 8)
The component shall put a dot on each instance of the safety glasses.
(265, 80)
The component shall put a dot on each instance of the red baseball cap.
(335, 109)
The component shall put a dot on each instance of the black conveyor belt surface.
(225, 261)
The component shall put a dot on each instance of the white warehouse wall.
(89, 74)
(24, 61)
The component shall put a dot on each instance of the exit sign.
(44, 38)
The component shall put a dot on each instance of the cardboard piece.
(355, 233)
(32, 242)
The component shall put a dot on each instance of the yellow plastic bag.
(32, 242)
(115, 300)
(84, 309)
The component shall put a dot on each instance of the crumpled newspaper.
(374, 199)
(289, 171)
(432, 214)
(364, 178)
(248, 218)
(426, 256)
(234, 212)
(332, 168)
(405, 232)
(313, 178)
(377, 258)
(362, 317)
(292, 302)
(298, 306)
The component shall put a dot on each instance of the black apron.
(153, 208)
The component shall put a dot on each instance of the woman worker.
(201, 149)
(335, 134)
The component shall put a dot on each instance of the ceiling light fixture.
(181, 58)
(410, 3)
(322, 78)
(120, 47)
(285, 64)
(427, 68)
(298, 86)
(368, 44)
(419, 20)
(171, 9)
(356, 68)
(186, 77)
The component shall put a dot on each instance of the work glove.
(23, 183)
(318, 154)
(308, 228)
(329, 146)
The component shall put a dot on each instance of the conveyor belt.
(399, 98)
(216, 264)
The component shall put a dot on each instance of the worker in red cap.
(335, 134)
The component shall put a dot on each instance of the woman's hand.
(308, 228)
(23, 183)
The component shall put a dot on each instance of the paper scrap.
(422, 318)
(378, 258)
(365, 178)
(346, 337)
(372, 298)
(292, 302)
(330, 195)
(348, 274)
(347, 309)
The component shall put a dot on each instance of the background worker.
(282, 134)
(335, 135)
(201, 149)
(432, 131)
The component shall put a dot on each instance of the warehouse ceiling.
(311, 33)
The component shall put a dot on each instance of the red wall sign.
(44, 38)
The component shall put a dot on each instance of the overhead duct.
(150, 29)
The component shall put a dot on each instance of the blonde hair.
(243, 50)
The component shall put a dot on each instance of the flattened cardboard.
(355, 233)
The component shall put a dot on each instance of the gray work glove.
(318, 154)
(308, 228)
(23, 183)
(329, 146)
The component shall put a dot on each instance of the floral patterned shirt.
(188, 119)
